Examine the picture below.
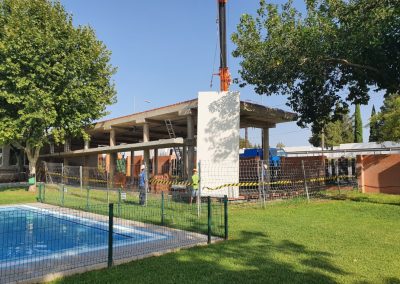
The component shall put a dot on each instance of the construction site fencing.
(283, 178)
(251, 179)
(69, 233)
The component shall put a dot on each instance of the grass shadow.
(219, 263)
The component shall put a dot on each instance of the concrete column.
(132, 164)
(155, 162)
(146, 153)
(265, 143)
(184, 162)
(349, 167)
(190, 138)
(86, 145)
(113, 158)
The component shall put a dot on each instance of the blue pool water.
(28, 233)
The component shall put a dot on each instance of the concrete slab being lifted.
(158, 144)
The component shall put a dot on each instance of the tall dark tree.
(373, 127)
(338, 46)
(358, 126)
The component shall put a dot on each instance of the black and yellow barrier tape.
(154, 181)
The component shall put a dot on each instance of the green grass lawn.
(16, 195)
(351, 238)
(325, 241)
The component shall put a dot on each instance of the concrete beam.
(159, 144)
(185, 112)
(257, 122)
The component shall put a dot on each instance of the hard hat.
(142, 167)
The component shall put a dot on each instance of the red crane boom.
(224, 74)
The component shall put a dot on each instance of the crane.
(224, 75)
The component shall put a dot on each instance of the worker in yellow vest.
(195, 186)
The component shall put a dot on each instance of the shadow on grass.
(365, 198)
(252, 258)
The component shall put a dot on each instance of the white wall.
(218, 126)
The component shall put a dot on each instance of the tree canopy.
(55, 78)
(335, 133)
(388, 119)
(335, 54)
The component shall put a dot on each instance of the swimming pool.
(29, 234)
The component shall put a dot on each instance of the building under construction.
(166, 139)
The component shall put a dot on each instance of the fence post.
(209, 220)
(198, 199)
(62, 194)
(119, 202)
(337, 174)
(81, 177)
(162, 208)
(264, 173)
(62, 173)
(108, 188)
(87, 197)
(60, 190)
(44, 193)
(146, 183)
(226, 216)
(305, 180)
(110, 233)
(39, 198)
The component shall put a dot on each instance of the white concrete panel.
(218, 126)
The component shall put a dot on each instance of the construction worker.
(195, 186)
(142, 185)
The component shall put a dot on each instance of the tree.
(55, 79)
(333, 54)
(243, 143)
(388, 119)
(373, 127)
(358, 126)
(336, 133)
(280, 145)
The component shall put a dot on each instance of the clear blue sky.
(164, 51)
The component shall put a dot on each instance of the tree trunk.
(33, 155)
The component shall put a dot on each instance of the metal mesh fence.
(283, 179)
(251, 179)
(44, 239)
